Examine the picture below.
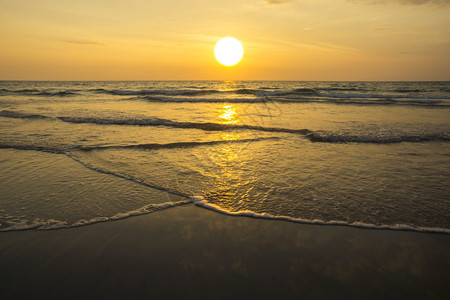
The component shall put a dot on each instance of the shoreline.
(82, 169)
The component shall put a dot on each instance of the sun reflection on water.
(227, 165)
(229, 136)
(228, 114)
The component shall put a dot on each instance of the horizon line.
(180, 80)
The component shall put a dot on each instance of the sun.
(229, 51)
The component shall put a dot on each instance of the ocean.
(365, 154)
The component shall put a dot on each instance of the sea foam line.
(155, 146)
(313, 136)
(53, 224)
(201, 202)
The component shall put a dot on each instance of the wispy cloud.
(277, 2)
(79, 42)
(419, 2)
(406, 2)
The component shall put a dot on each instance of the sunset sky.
(174, 40)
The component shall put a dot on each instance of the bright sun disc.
(229, 51)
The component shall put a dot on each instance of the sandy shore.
(191, 253)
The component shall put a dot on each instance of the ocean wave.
(192, 94)
(285, 97)
(314, 136)
(23, 91)
(59, 94)
(182, 92)
(318, 136)
(269, 88)
(383, 96)
(135, 180)
(20, 115)
(201, 202)
(174, 145)
(304, 91)
(207, 126)
(332, 92)
(53, 224)
(340, 89)
(199, 100)
(63, 149)
(245, 91)
(409, 91)
(327, 137)
(367, 101)
(36, 92)
(55, 150)
(273, 92)
(154, 146)
(202, 92)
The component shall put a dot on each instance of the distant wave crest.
(327, 137)
(192, 94)
(21, 115)
(36, 92)
(181, 92)
(314, 136)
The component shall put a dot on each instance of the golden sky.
(175, 39)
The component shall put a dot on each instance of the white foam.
(202, 202)
(201, 100)
(51, 224)
(385, 96)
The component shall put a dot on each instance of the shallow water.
(372, 154)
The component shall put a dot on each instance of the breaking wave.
(175, 145)
(314, 136)
(182, 92)
(327, 137)
(36, 92)
(197, 94)
(21, 115)
(63, 149)
(291, 98)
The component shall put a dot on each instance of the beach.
(188, 252)
(219, 190)
(264, 149)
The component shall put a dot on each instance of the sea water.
(369, 154)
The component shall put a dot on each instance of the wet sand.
(189, 252)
